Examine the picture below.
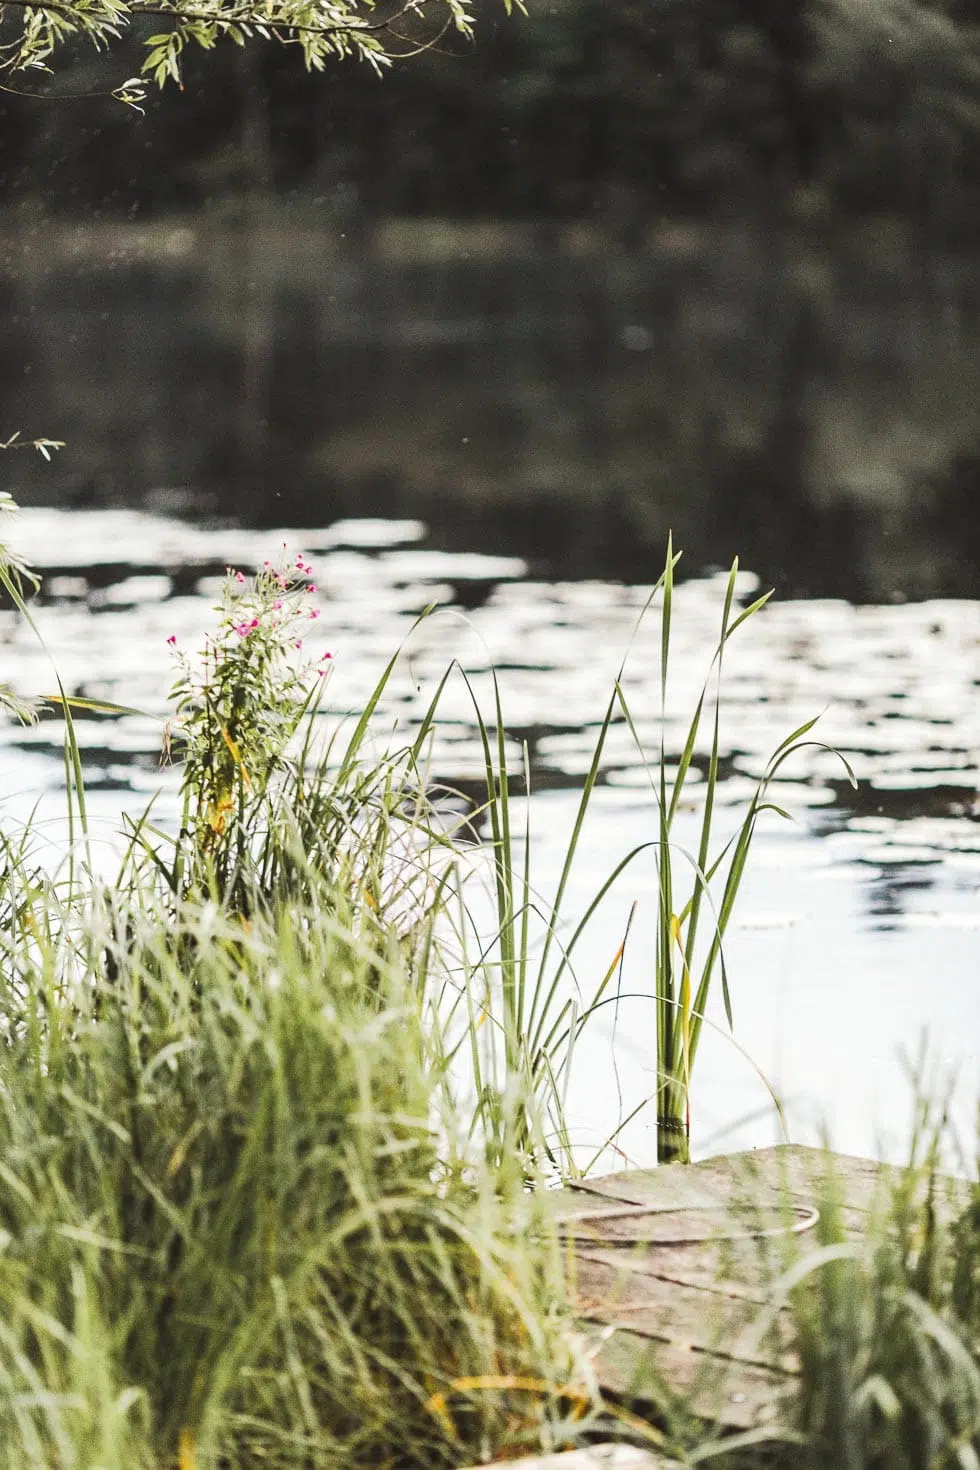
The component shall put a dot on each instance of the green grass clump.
(243, 1220)
(888, 1333)
(537, 1023)
(236, 1227)
(879, 1306)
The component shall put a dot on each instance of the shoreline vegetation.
(278, 1118)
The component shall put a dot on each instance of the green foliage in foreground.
(246, 1220)
(232, 1224)
(888, 1332)
(880, 1306)
(34, 36)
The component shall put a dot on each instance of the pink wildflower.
(172, 640)
(299, 643)
(243, 629)
(314, 612)
(239, 576)
(277, 605)
(311, 587)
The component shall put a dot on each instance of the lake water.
(505, 420)
(858, 932)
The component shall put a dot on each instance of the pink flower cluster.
(279, 576)
(286, 580)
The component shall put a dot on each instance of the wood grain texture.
(672, 1271)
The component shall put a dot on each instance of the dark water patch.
(809, 403)
(906, 803)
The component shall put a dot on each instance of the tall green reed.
(713, 874)
(525, 1019)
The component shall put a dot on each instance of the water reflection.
(808, 399)
(894, 685)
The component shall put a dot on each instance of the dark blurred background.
(621, 266)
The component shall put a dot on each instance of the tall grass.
(888, 1329)
(241, 1221)
(263, 805)
(879, 1305)
(238, 1227)
(524, 977)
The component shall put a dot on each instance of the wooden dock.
(674, 1273)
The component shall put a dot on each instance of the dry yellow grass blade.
(187, 1450)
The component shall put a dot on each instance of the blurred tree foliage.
(583, 109)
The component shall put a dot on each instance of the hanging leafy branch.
(31, 35)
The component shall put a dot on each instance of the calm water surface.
(858, 933)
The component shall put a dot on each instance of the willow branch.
(240, 17)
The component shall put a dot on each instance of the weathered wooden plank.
(730, 1394)
(683, 1257)
(690, 1317)
(740, 1268)
(768, 1193)
(794, 1172)
(598, 1457)
(673, 1268)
